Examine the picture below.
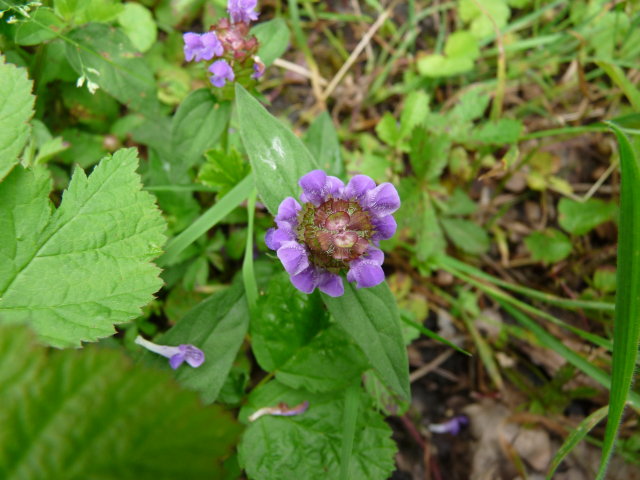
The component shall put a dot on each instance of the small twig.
(300, 70)
(355, 54)
(432, 365)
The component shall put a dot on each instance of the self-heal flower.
(222, 72)
(258, 67)
(176, 355)
(201, 46)
(242, 10)
(338, 227)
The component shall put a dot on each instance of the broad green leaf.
(43, 25)
(504, 131)
(414, 112)
(277, 156)
(548, 246)
(626, 326)
(76, 415)
(481, 25)
(466, 235)
(462, 45)
(307, 446)
(106, 57)
(83, 11)
(197, 126)
(217, 326)
(471, 106)
(138, 23)
(16, 109)
(460, 52)
(459, 203)
(371, 317)
(604, 279)
(428, 154)
(285, 321)
(581, 217)
(323, 143)
(223, 170)
(74, 272)
(315, 366)
(388, 130)
(274, 37)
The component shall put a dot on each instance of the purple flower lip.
(176, 355)
(337, 228)
(242, 11)
(222, 72)
(203, 46)
(452, 426)
(282, 410)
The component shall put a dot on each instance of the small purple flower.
(242, 10)
(176, 355)
(202, 47)
(336, 228)
(258, 67)
(222, 72)
(452, 426)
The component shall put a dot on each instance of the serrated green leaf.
(581, 217)
(197, 126)
(459, 203)
(414, 112)
(504, 131)
(388, 130)
(223, 170)
(308, 445)
(548, 246)
(466, 235)
(217, 326)
(92, 414)
(278, 158)
(274, 37)
(106, 57)
(371, 317)
(74, 272)
(428, 154)
(322, 141)
(138, 23)
(16, 109)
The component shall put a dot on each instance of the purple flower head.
(336, 228)
(222, 72)
(176, 355)
(242, 10)
(201, 47)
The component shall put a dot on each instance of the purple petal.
(293, 257)
(212, 46)
(305, 280)
(242, 10)
(288, 211)
(382, 200)
(276, 237)
(365, 272)
(176, 360)
(357, 187)
(331, 284)
(385, 227)
(192, 44)
(375, 255)
(192, 355)
(312, 185)
(222, 72)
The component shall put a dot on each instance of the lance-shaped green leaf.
(92, 414)
(371, 317)
(105, 56)
(324, 145)
(217, 326)
(16, 109)
(74, 272)
(277, 156)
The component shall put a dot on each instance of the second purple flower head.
(338, 227)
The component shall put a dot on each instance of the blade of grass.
(349, 419)
(207, 220)
(428, 333)
(617, 76)
(248, 274)
(549, 341)
(575, 437)
(545, 297)
(626, 327)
